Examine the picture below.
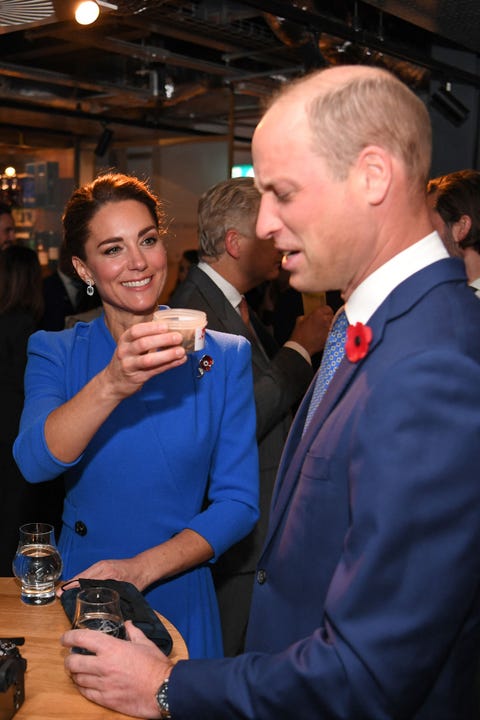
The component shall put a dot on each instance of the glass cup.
(190, 323)
(37, 563)
(98, 608)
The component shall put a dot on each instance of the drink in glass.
(37, 563)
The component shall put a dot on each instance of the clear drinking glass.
(98, 608)
(37, 563)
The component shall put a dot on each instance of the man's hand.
(121, 675)
(311, 330)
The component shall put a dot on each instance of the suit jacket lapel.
(398, 302)
(297, 446)
(226, 317)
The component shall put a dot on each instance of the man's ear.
(375, 169)
(232, 243)
(461, 228)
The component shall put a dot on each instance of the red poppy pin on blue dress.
(205, 365)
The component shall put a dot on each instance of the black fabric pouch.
(133, 605)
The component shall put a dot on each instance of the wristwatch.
(162, 700)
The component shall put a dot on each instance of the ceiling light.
(10, 171)
(449, 106)
(104, 142)
(87, 12)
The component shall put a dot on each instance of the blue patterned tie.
(332, 355)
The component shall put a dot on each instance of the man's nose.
(267, 220)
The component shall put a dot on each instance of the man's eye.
(282, 195)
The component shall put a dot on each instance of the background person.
(367, 598)
(64, 294)
(7, 226)
(455, 212)
(21, 307)
(141, 437)
(233, 260)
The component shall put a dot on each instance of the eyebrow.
(140, 234)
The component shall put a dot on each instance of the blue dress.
(180, 453)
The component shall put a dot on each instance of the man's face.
(315, 220)
(260, 259)
(7, 231)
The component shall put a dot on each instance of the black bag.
(133, 605)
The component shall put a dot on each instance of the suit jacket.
(279, 383)
(58, 304)
(367, 601)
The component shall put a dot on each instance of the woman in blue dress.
(157, 447)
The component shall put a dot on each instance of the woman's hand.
(125, 570)
(143, 351)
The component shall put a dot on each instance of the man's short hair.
(457, 194)
(373, 108)
(229, 204)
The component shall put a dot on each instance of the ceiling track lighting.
(88, 11)
(449, 106)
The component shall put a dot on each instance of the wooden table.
(49, 692)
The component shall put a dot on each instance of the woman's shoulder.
(225, 341)
(63, 340)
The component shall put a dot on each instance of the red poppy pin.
(358, 341)
(205, 365)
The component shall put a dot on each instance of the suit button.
(80, 528)
(261, 576)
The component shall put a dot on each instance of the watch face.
(162, 700)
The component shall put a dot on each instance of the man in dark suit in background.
(233, 260)
(64, 294)
(367, 597)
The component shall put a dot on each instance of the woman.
(159, 456)
(21, 307)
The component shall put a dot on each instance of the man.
(7, 226)
(65, 294)
(367, 601)
(233, 260)
(455, 213)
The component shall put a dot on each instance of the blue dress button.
(80, 528)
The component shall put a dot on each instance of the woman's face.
(125, 259)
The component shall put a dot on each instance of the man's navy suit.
(280, 381)
(367, 604)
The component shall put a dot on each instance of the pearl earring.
(90, 288)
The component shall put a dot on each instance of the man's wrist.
(298, 347)
(162, 698)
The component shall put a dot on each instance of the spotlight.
(449, 106)
(103, 142)
(87, 12)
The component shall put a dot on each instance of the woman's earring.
(90, 288)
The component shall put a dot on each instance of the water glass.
(37, 563)
(98, 608)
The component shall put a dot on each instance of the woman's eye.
(150, 240)
(112, 250)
